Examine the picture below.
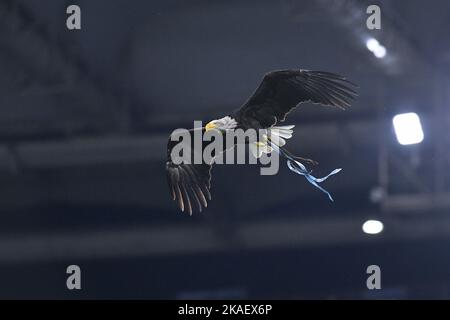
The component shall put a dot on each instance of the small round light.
(380, 52)
(372, 44)
(372, 227)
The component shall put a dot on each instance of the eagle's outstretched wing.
(189, 183)
(281, 91)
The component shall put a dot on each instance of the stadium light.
(376, 48)
(408, 128)
(372, 227)
(372, 44)
(380, 52)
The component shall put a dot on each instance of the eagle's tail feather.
(276, 135)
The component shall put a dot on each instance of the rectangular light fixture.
(408, 128)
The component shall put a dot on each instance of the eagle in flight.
(278, 94)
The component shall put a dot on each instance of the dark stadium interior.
(84, 121)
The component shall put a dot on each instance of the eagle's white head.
(226, 123)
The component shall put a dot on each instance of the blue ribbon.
(300, 169)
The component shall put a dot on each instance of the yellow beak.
(210, 126)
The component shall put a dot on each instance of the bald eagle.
(278, 94)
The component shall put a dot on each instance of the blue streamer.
(300, 169)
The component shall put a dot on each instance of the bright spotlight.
(372, 44)
(376, 48)
(372, 227)
(380, 52)
(408, 128)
